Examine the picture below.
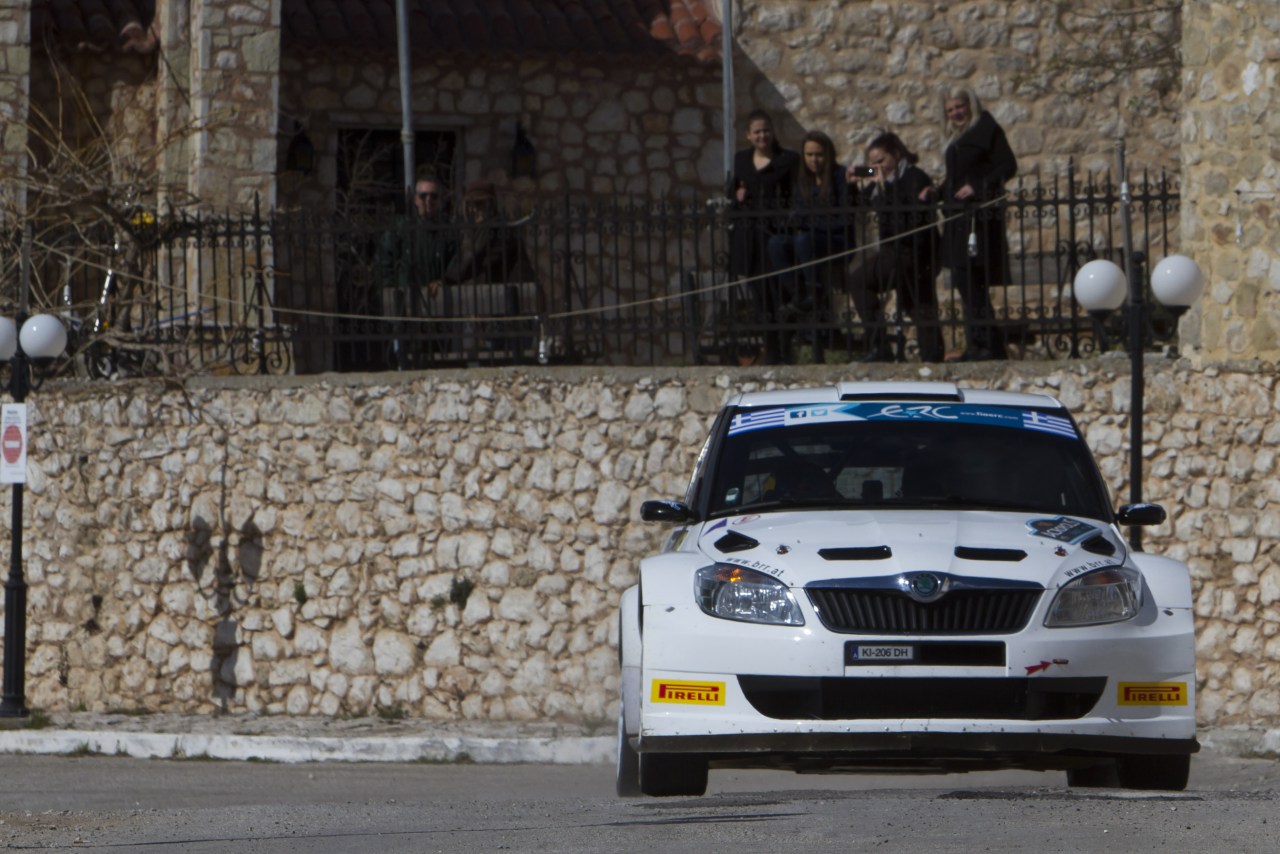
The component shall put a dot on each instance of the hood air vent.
(735, 542)
(857, 553)
(970, 553)
(1099, 545)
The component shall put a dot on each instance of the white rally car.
(903, 576)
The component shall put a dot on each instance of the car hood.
(805, 547)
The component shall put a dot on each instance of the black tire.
(670, 774)
(627, 783)
(1104, 775)
(1161, 773)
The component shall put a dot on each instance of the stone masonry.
(1231, 153)
(15, 84)
(851, 67)
(452, 545)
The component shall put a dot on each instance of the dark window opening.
(371, 178)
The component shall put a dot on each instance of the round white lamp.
(1100, 286)
(42, 337)
(1177, 281)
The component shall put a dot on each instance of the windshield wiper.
(788, 504)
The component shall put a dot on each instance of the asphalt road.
(98, 803)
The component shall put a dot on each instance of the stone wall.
(15, 83)
(228, 102)
(452, 545)
(850, 67)
(604, 127)
(1231, 154)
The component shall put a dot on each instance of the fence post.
(259, 287)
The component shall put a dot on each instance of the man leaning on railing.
(413, 254)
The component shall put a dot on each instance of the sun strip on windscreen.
(941, 413)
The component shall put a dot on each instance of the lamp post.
(22, 342)
(1100, 287)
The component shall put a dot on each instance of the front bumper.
(910, 752)
(1059, 694)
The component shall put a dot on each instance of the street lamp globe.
(1177, 281)
(42, 337)
(1100, 286)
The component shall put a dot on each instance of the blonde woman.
(974, 247)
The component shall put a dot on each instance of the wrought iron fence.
(634, 282)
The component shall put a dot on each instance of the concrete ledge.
(301, 748)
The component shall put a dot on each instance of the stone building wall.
(229, 103)
(850, 67)
(1231, 154)
(604, 127)
(232, 58)
(452, 545)
(15, 83)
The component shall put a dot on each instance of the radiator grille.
(894, 612)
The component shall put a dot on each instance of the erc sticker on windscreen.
(695, 693)
(1152, 694)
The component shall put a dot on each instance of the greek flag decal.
(1048, 424)
(757, 420)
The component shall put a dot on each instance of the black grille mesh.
(893, 612)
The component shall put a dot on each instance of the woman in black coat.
(760, 194)
(761, 191)
(904, 260)
(974, 247)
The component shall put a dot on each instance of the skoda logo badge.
(924, 586)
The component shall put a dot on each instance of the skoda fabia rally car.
(903, 576)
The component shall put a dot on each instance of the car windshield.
(936, 456)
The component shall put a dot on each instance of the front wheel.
(670, 774)
(1162, 773)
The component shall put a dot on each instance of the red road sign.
(12, 444)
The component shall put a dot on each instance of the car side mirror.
(1141, 514)
(660, 510)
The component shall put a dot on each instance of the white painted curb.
(555, 751)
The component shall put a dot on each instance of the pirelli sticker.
(692, 693)
(1152, 694)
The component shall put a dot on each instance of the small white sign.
(13, 443)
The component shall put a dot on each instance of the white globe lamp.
(1177, 281)
(42, 337)
(1100, 286)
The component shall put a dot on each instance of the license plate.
(878, 653)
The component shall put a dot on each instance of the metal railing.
(632, 282)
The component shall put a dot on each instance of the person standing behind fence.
(491, 251)
(975, 249)
(904, 259)
(759, 195)
(415, 251)
(820, 228)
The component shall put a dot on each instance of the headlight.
(1102, 596)
(735, 593)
